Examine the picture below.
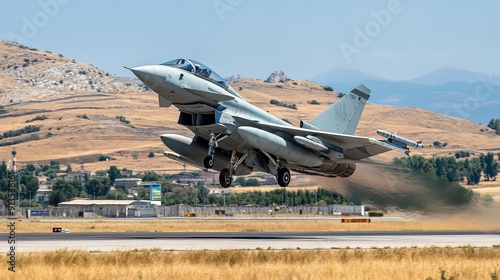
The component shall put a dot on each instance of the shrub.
(375, 214)
(25, 130)
(250, 182)
(123, 119)
(328, 88)
(38, 118)
(151, 154)
(102, 158)
(283, 104)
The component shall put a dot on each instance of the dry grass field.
(278, 225)
(376, 263)
(490, 188)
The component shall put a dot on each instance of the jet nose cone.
(152, 76)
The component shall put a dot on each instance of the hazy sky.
(393, 39)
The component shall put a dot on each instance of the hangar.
(87, 208)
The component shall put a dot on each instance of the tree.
(118, 194)
(97, 187)
(114, 173)
(252, 182)
(3, 170)
(490, 167)
(240, 181)
(202, 192)
(151, 154)
(150, 176)
(30, 184)
(68, 168)
(62, 190)
(474, 172)
(30, 167)
(494, 124)
(54, 164)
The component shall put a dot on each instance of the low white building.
(126, 183)
(108, 208)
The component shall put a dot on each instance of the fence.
(121, 211)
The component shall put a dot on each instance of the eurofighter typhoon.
(235, 137)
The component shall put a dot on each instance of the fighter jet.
(235, 137)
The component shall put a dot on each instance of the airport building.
(126, 183)
(87, 208)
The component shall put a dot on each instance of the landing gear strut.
(283, 177)
(226, 174)
(208, 162)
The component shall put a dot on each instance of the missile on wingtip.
(392, 137)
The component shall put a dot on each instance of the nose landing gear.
(208, 162)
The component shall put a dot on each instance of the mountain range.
(451, 91)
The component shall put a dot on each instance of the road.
(30, 242)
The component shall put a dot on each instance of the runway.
(32, 242)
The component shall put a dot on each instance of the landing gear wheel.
(208, 162)
(283, 177)
(225, 178)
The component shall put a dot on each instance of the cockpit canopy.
(198, 69)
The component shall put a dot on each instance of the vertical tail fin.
(343, 116)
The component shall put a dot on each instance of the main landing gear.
(226, 174)
(225, 178)
(283, 177)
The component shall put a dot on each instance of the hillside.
(76, 106)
